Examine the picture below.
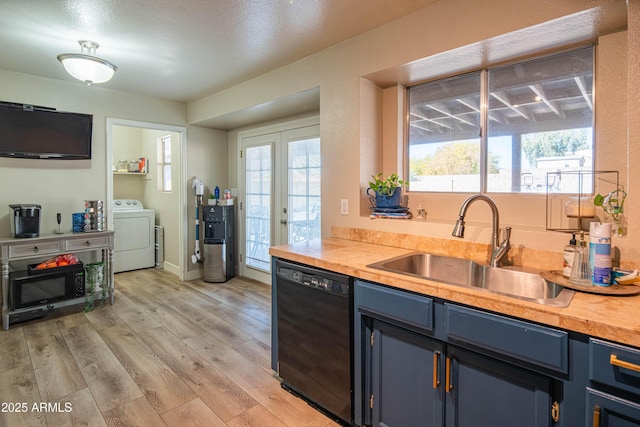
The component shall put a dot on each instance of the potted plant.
(388, 191)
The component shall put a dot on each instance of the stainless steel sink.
(512, 282)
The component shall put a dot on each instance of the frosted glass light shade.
(87, 68)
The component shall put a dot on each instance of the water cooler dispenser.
(219, 253)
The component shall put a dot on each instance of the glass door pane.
(258, 206)
(304, 190)
(279, 197)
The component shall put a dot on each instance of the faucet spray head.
(458, 230)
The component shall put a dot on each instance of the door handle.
(283, 221)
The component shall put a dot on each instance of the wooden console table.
(48, 246)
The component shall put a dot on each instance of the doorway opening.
(140, 140)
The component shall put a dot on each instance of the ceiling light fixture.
(87, 67)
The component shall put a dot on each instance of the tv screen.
(33, 132)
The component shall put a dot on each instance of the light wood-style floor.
(167, 353)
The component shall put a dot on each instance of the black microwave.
(32, 288)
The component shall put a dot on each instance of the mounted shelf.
(130, 173)
(569, 205)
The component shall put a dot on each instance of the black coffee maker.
(25, 220)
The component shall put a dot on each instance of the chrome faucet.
(498, 250)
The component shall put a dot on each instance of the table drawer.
(91, 242)
(528, 342)
(34, 249)
(408, 309)
(614, 365)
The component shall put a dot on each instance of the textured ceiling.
(183, 50)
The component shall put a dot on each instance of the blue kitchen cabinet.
(404, 374)
(415, 379)
(481, 391)
(613, 398)
(605, 410)
(420, 360)
(415, 364)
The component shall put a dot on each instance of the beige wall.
(165, 204)
(472, 34)
(350, 118)
(633, 128)
(127, 145)
(63, 185)
(207, 160)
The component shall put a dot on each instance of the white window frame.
(164, 164)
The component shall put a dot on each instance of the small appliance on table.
(134, 245)
(25, 220)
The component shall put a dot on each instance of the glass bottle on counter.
(568, 255)
(581, 270)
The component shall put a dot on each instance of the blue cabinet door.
(604, 410)
(405, 370)
(484, 392)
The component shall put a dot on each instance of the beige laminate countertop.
(613, 318)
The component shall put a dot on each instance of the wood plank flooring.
(167, 353)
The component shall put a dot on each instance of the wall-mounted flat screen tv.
(32, 132)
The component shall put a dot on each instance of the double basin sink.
(507, 281)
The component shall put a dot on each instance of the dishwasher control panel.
(316, 279)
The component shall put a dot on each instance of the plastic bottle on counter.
(600, 253)
(568, 255)
(216, 193)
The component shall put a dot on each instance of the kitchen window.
(538, 116)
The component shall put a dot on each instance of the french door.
(280, 195)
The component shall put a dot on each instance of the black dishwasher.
(315, 319)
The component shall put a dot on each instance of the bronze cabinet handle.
(436, 379)
(448, 386)
(623, 364)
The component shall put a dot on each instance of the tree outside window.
(538, 117)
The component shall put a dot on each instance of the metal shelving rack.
(571, 186)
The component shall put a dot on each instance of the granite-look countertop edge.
(608, 317)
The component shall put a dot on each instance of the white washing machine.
(134, 241)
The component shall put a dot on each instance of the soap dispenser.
(581, 271)
(568, 255)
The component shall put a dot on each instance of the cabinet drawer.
(607, 410)
(88, 243)
(538, 345)
(614, 365)
(407, 308)
(34, 248)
